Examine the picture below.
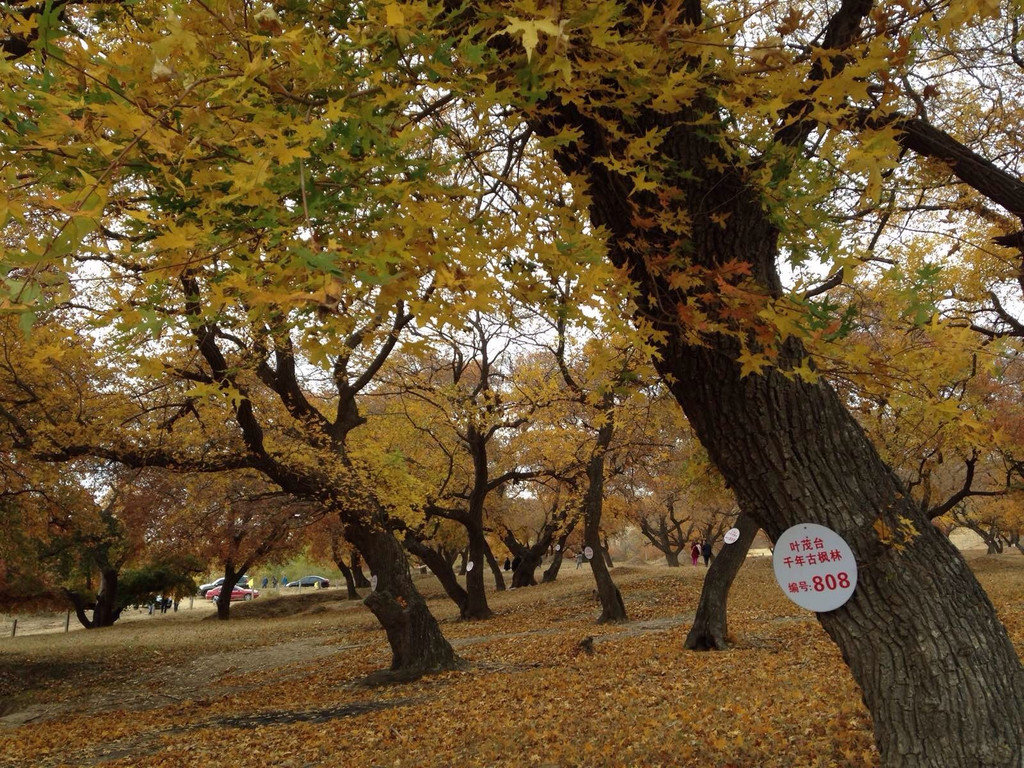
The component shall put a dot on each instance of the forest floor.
(282, 683)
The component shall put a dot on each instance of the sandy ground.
(52, 623)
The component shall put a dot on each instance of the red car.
(238, 593)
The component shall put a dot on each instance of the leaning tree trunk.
(556, 564)
(938, 672)
(441, 568)
(80, 608)
(223, 600)
(710, 630)
(417, 645)
(492, 563)
(671, 557)
(613, 608)
(551, 572)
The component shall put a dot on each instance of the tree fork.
(417, 645)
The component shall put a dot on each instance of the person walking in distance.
(705, 550)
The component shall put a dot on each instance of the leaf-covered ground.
(281, 684)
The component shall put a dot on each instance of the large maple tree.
(245, 172)
(712, 141)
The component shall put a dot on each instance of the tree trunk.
(441, 568)
(671, 558)
(80, 608)
(499, 580)
(551, 572)
(106, 611)
(939, 674)
(613, 608)
(417, 645)
(223, 600)
(528, 557)
(710, 630)
(357, 572)
(529, 562)
(476, 597)
(556, 564)
(350, 581)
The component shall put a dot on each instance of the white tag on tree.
(814, 566)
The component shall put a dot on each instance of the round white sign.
(373, 583)
(731, 535)
(588, 553)
(558, 547)
(469, 566)
(814, 566)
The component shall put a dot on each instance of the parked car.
(311, 581)
(243, 581)
(238, 593)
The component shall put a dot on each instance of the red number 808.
(841, 580)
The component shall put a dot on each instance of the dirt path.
(193, 680)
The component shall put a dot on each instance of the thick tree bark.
(417, 645)
(710, 630)
(551, 572)
(105, 610)
(938, 672)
